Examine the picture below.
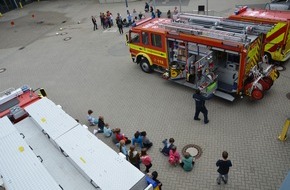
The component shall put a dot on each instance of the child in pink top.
(146, 159)
(174, 156)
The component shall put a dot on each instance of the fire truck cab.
(203, 55)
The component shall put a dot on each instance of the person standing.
(94, 23)
(168, 14)
(224, 167)
(175, 11)
(146, 9)
(200, 105)
(140, 15)
(158, 12)
(119, 23)
(154, 176)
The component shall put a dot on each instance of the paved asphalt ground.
(93, 70)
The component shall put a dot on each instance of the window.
(135, 38)
(233, 58)
(156, 40)
(145, 38)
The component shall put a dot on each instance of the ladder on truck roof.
(176, 27)
(221, 23)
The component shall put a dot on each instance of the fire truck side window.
(145, 38)
(156, 40)
(135, 37)
(233, 58)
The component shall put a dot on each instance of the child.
(146, 159)
(224, 167)
(93, 121)
(114, 136)
(107, 131)
(137, 139)
(174, 156)
(123, 149)
(120, 136)
(146, 142)
(154, 176)
(187, 162)
(167, 146)
(134, 157)
(101, 124)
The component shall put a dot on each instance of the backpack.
(119, 22)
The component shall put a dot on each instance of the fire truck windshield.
(134, 37)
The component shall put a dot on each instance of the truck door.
(154, 45)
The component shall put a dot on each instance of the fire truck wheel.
(265, 85)
(257, 94)
(268, 80)
(145, 66)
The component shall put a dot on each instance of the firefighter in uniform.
(200, 105)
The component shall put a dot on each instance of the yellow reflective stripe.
(148, 51)
(268, 46)
(278, 39)
(275, 29)
(253, 54)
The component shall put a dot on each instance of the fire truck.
(277, 41)
(42, 147)
(225, 59)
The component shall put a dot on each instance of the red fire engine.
(206, 57)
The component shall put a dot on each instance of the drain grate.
(67, 38)
(2, 70)
(193, 150)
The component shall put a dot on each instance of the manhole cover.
(67, 38)
(193, 150)
(288, 95)
(2, 70)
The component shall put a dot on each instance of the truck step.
(224, 95)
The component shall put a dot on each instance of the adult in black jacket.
(200, 105)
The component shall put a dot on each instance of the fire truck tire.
(257, 94)
(265, 85)
(145, 66)
(268, 80)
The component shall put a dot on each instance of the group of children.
(120, 140)
(174, 158)
(169, 149)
